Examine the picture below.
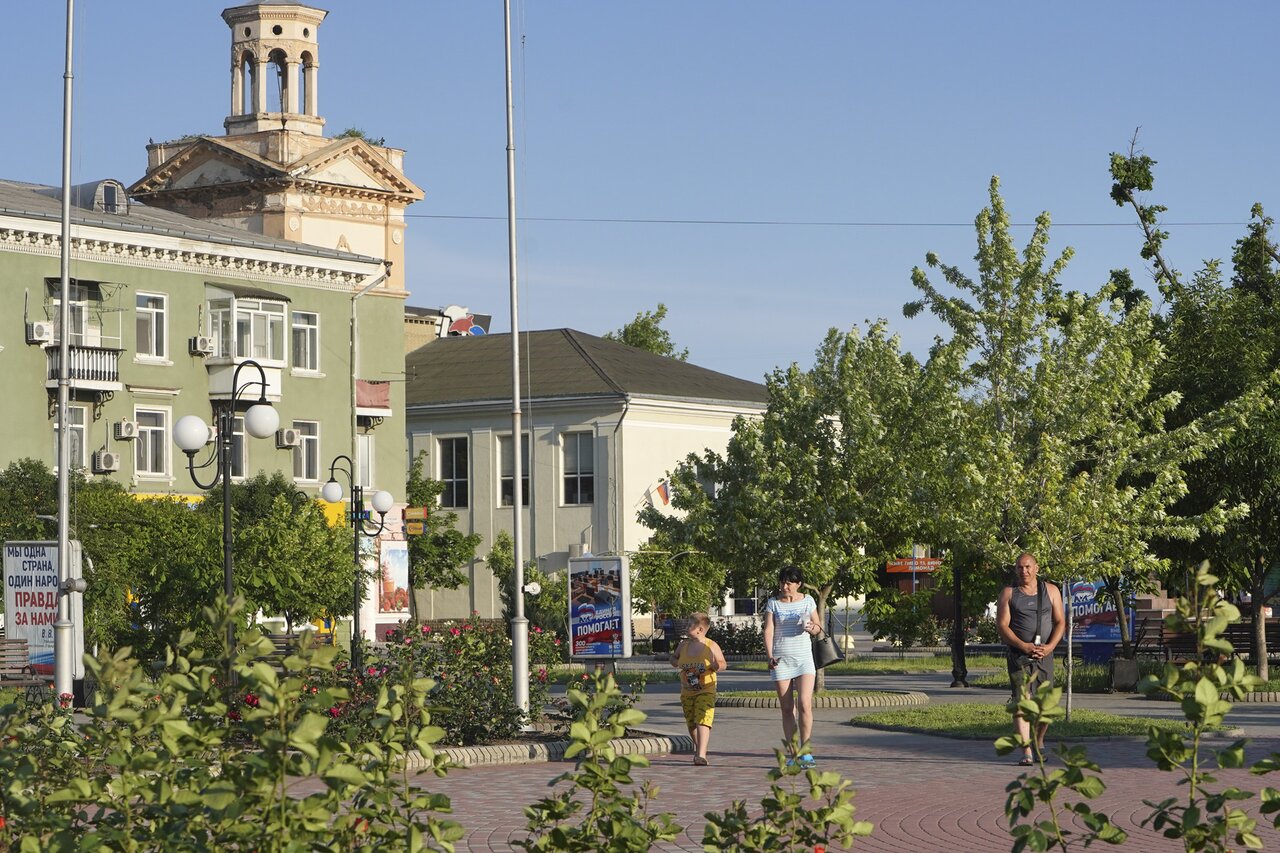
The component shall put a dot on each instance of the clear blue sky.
(752, 110)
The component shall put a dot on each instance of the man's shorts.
(699, 709)
(1024, 671)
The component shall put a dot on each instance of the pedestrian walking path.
(922, 793)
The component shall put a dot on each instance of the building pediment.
(354, 163)
(205, 163)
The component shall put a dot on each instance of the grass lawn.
(987, 722)
(1090, 677)
(893, 665)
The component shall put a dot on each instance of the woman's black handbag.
(825, 650)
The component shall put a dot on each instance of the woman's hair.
(790, 574)
(700, 619)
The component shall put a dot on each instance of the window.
(453, 472)
(306, 341)
(152, 445)
(152, 339)
(579, 468)
(77, 418)
(110, 204)
(364, 460)
(248, 328)
(260, 330)
(306, 456)
(506, 464)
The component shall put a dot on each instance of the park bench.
(1240, 635)
(16, 671)
(283, 645)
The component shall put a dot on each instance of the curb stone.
(537, 753)
(881, 699)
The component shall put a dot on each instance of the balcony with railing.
(90, 368)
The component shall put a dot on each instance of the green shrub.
(188, 762)
(737, 637)
(470, 663)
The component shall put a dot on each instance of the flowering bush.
(470, 662)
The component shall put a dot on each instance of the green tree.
(438, 556)
(824, 480)
(645, 332)
(292, 562)
(549, 609)
(1222, 344)
(1065, 450)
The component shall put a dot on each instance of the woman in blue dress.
(790, 622)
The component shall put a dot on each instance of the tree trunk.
(1117, 595)
(1257, 605)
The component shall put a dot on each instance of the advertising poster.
(31, 602)
(600, 607)
(1093, 614)
(393, 585)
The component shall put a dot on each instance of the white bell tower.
(275, 66)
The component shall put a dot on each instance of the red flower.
(335, 711)
(454, 631)
(251, 700)
(234, 716)
(426, 629)
(537, 629)
(2, 822)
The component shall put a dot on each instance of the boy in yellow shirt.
(698, 660)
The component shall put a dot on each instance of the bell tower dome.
(275, 66)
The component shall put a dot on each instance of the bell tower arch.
(275, 66)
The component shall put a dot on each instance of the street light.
(382, 503)
(191, 433)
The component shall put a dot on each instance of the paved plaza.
(922, 793)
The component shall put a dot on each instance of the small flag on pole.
(664, 492)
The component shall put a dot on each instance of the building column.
(290, 88)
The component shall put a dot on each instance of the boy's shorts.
(699, 709)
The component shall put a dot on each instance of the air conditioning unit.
(104, 462)
(200, 345)
(288, 438)
(39, 333)
(126, 430)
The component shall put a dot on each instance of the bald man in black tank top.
(1030, 619)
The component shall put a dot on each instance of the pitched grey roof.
(36, 201)
(560, 363)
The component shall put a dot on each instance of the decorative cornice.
(135, 253)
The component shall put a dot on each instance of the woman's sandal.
(699, 761)
(1027, 761)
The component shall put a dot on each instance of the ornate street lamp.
(360, 526)
(191, 433)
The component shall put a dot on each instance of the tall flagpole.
(519, 624)
(63, 671)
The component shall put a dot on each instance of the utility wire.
(804, 223)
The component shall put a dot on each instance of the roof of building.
(561, 363)
(36, 201)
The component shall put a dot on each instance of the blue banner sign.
(1093, 613)
(599, 607)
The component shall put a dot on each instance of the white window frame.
(306, 456)
(78, 429)
(157, 320)
(506, 468)
(447, 471)
(152, 439)
(577, 473)
(308, 334)
(249, 328)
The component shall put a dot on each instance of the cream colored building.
(603, 422)
(274, 173)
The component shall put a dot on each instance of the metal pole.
(63, 666)
(226, 424)
(357, 510)
(519, 624)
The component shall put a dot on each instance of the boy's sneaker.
(808, 761)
